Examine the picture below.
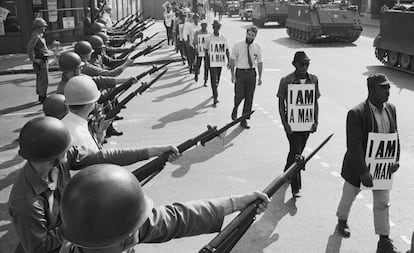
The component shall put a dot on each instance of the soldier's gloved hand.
(366, 179)
(241, 201)
(175, 153)
(394, 167)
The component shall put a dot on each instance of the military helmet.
(102, 205)
(83, 47)
(103, 36)
(54, 106)
(44, 139)
(81, 90)
(96, 42)
(101, 20)
(98, 27)
(70, 61)
(39, 22)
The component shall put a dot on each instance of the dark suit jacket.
(359, 122)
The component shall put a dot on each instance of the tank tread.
(383, 59)
(303, 36)
(352, 36)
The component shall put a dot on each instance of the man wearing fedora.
(375, 115)
(215, 72)
(297, 140)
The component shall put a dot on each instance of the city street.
(176, 108)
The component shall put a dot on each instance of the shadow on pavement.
(18, 107)
(185, 89)
(400, 79)
(182, 114)
(334, 243)
(321, 43)
(201, 154)
(261, 234)
(169, 84)
(21, 80)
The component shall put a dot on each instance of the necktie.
(50, 195)
(249, 59)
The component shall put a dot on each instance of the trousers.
(42, 78)
(297, 143)
(380, 207)
(206, 66)
(215, 73)
(244, 89)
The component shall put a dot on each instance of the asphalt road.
(176, 108)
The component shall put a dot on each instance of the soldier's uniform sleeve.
(111, 62)
(92, 70)
(31, 46)
(104, 82)
(81, 157)
(182, 220)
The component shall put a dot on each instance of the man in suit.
(372, 115)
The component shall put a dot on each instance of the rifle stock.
(149, 170)
(232, 233)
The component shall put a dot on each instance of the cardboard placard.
(301, 106)
(381, 154)
(68, 22)
(218, 53)
(52, 10)
(201, 44)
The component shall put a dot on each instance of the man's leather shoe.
(196, 78)
(111, 131)
(205, 83)
(234, 114)
(42, 99)
(343, 229)
(244, 125)
(385, 245)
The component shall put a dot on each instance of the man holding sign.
(200, 39)
(372, 156)
(218, 51)
(298, 109)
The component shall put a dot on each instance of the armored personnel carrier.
(269, 10)
(394, 45)
(310, 22)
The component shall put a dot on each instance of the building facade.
(64, 17)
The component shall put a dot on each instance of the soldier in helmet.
(84, 50)
(45, 143)
(101, 59)
(111, 51)
(55, 106)
(38, 54)
(124, 215)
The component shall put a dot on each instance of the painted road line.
(335, 174)
(360, 196)
(406, 239)
(325, 165)
(276, 70)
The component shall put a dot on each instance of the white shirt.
(78, 129)
(168, 18)
(213, 37)
(239, 54)
(189, 30)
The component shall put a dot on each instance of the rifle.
(144, 86)
(232, 233)
(127, 84)
(132, 48)
(139, 29)
(149, 170)
(147, 50)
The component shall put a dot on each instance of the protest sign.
(301, 106)
(381, 154)
(201, 44)
(218, 53)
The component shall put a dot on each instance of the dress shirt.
(239, 54)
(213, 37)
(381, 118)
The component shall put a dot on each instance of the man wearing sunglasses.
(297, 139)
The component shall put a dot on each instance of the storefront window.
(9, 23)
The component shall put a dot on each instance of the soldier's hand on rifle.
(175, 153)
(366, 179)
(241, 201)
(395, 167)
